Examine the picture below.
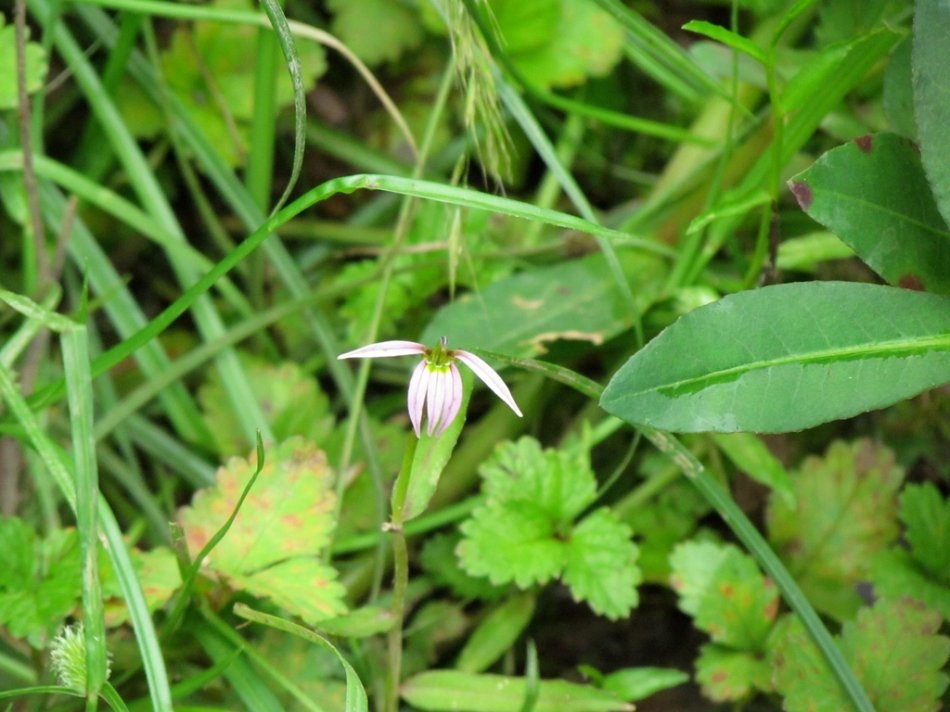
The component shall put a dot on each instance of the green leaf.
(898, 100)
(36, 65)
(394, 28)
(932, 95)
(497, 633)
(727, 37)
(722, 588)
(558, 42)
(440, 563)
(786, 357)
(750, 454)
(846, 512)
(897, 574)
(156, 571)
(274, 547)
(39, 580)
(601, 565)
(729, 675)
(893, 648)
(290, 399)
(437, 690)
(578, 300)
(558, 482)
(511, 541)
(638, 683)
(872, 193)
(926, 515)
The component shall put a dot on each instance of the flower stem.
(400, 576)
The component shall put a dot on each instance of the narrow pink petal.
(453, 397)
(435, 400)
(417, 395)
(385, 349)
(488, 376)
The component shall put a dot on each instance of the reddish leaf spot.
(911, 281)
(802, 193)
(865, 143)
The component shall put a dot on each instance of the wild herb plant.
(703, 262)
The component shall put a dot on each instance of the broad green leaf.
(894, 649)
(932, 95)
(786, 357)
(601, 565)
(926, 515)
(898, 99)
(846, 511)
(576, 300)
(496, 633)
(36, 65)
(447, 690)
(274, 547)
(723, 590)
(511, 541)
(729, 675)
(873, 194)
(290, 399)
(39, 580)
(558, 42)
(395, 28)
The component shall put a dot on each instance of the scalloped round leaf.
(559, 482)
(439, 561)
(846, 512)
(730, 675)
(289, 513)
(926, 516)
(601, 565)
(786, 357)
(896, 574)
(396, 28)
(511, 542)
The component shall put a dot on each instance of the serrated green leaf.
(438, 690)
(511, 542)
(36, 65)
(274, 545)
(896, 574)
(395, 28)
(846, 512)
(39, 581)
(926, 516)
(786, 357)
(873, 194)
(722, 588)
(601, 565)
(893, 648)
(932, 95)
(440, 563)
(559, 482)
(290, 399)
(729, 675)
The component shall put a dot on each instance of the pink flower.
(436, 384)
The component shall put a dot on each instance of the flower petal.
(435, 398)
(386, 349)
(417, 395)
(453, 397)
(489, 377)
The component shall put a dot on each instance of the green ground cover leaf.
(36, 65)
(39, 580)
(440, 563)
(524, 531)
(274, 547)
(520, 315)
(894, 649)
(932, 95)
(157, 572)
(206, 67)
(290, 399)
(558, 42)
(395, 28)
(464, 692)
(786, 357)
(722, 589)
(846, 512)
(873, 194)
